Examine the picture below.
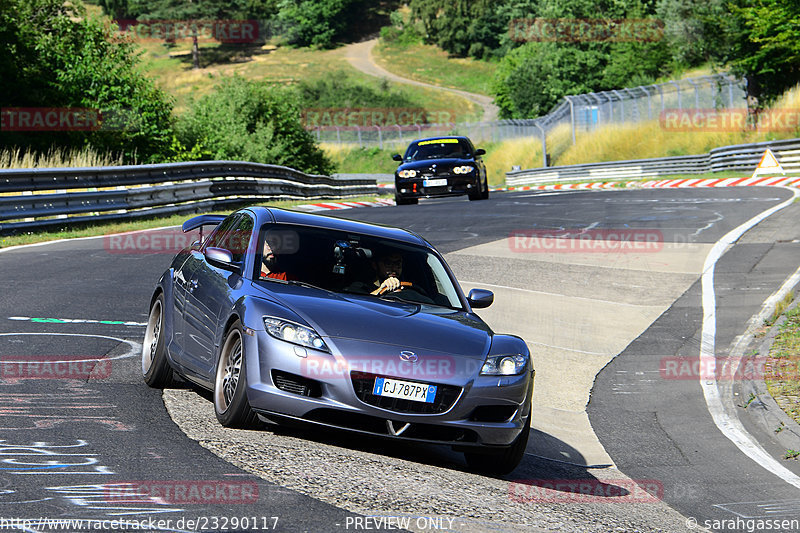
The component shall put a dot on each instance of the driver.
(389, 267)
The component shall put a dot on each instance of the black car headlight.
(294, 333)
(504, 365)
(466, 169)
(407, 173)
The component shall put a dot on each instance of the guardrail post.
(380, 137)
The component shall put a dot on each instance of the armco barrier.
(153, 190)
(742, 157)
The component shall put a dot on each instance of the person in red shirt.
(269, 264)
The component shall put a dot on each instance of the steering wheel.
(402, 284)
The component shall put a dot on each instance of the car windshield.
(437, 149)
(352, 263)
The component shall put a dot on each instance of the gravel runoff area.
(375, 477)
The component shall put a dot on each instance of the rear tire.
(230, 384)
(500, 463)
(155, 368)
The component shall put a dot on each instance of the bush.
(251, 121)
(54, 56)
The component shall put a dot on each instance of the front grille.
(446, 396)
(296, 384)
(377, 426)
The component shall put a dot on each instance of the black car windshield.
(437, 149)
(353, 263)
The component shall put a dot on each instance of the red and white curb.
(326, 206)
(781, 181)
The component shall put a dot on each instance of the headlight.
(466, 169)
(407, 173)
(504, 365)
(294, 333)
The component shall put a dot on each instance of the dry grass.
(650, 139)
(57, 158)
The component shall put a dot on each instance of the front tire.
(230, 384)
(155, 368)
(502, 462)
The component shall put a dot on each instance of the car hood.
(369, 319)
(426, 164)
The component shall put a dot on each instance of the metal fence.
(584, 112)
(37, 198)
(740, 158)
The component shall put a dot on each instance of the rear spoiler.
(202, 220)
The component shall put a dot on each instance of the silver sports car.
(294, 316)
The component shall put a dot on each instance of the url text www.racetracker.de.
(751, 525)
(196, 523)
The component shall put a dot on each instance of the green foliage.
(764, 38)
(251, 121)
(318, 22)
(340, 91)
(54, 56)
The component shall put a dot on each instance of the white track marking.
(481, 284)
(134, 348)
(730, 426)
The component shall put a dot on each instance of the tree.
(183, 11)
(319, 22)
(252, 121)
(54, 56)
(764, 46)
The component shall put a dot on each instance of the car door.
(209, 294)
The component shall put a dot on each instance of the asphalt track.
(71, 447)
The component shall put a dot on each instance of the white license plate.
(405, 390)
(434, 183)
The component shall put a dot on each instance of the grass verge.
(92, 230)
(431, 64)
(782, 374)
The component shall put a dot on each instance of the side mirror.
(480, 298)
(220, 257)
(480, 152)
(397, 157)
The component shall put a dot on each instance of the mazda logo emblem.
(411, 357)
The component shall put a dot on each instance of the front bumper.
(457, 184)
(488, 411)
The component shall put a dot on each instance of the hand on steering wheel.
(392, 284)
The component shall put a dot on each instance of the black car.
(440, 166)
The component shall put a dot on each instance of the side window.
(217, 237)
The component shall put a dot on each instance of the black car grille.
(296, 384)
(378, 426)
(446, 396)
